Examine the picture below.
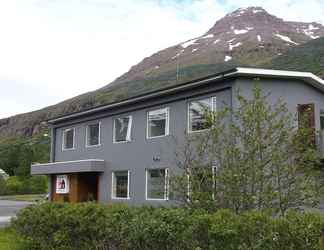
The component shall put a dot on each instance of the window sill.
(93, 146)
(68, 149)
(120, 198)
(157, 137)
(198, 131)
(121, 142)
(152, 199)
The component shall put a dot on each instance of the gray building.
(123, 151)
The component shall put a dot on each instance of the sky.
(52, 50)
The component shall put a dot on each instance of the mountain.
(245, 37)
(305, 57)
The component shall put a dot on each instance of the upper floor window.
(93, 135)
(306, 119)
(158, 123)
(122, 129)
(120, 184)
(197, 113)
(322, 120)
(157, 184)
(68, 139)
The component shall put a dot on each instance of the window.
(157, 184)
(197, 113)
(306, 119)
(68, 139)
(158, 123)
(122, 129)
(93, 135)
(120, 185)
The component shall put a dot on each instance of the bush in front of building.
(24, 185)
(95, 226)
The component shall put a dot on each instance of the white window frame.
(321, 115)
(166, 185)
(113, 196)
(129, 130)
(64, 141)
(213, 107)
(167, 122)
(87, 135)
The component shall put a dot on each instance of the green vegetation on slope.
(305, 57)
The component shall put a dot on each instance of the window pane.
(93, 134)
(322, 120)
(121, 184)
(157, 122)
(156, 181)
(68, 138)
(121, 129)
(197, 111)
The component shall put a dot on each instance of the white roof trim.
(60, 162)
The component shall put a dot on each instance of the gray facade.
(142, 153)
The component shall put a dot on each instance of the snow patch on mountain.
(286, 39)
(227, 58)
(309, 31)
(242, 31)
(259, 38)
(232, 46)
(257, 11)
(312, 27)
(207, 36)
(189, 43)
(238, 32)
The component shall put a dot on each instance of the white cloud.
(57, 49)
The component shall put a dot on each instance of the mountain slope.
(245, 37)
(306, 57)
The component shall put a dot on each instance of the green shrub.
(97, 226)
(24, 185)
(3, 188)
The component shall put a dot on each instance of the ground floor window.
(120, 184)
(157, 184)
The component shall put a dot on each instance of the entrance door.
(83, 187)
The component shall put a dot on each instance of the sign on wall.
(62, 184)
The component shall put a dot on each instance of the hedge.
(23, 185)
(93, 226)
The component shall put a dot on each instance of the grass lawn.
(9, 240)
(24, 197)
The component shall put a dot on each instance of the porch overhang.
(79, 166)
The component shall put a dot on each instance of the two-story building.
(123, 151)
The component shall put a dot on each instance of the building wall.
(137, 155)
(293, 92)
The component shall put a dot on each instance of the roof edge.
(234, 72)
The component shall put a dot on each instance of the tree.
(252, 157)
(17, 155)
